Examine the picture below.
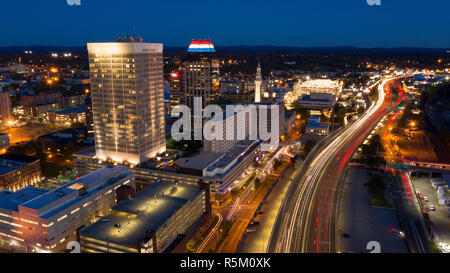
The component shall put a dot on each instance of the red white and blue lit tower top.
(201, 46)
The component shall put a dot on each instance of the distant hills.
(82, 49)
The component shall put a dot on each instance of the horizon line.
(225, 46)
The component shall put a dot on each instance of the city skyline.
(290, 23)
(235, 127)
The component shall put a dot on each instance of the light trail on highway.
(206, 241)
(307, 217)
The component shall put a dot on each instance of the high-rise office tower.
(200, 73)
(175, 90)
(258, 85)
(127, 100)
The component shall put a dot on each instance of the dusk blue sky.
(396, 23)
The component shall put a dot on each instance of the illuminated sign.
(201, 46)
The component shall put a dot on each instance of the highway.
(306, 221)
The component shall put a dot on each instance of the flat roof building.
(18, 171)
(68, 116)
(315, 127)
(317, 101)
(317, 86)
(148, 222)
(315, 94)
(38, 220)
(226, 167)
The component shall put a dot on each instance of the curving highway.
(307, 217)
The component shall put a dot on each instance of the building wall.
(317, 86)
(200, 78)
(223, 143)
(180, 222)
(21, 177)
(238, 98)
(41, 111)
(89, 116)
(222, 186)
(71, 101)
(176, 98)
(33, 100)
(177, 223)
(66, 119)
(5, 107)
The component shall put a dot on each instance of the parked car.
(397, 230)
(251, 229)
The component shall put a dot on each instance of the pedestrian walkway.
(256, 242)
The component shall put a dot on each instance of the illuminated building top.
(201, 46)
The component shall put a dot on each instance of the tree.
(190, 245)
(293, 159)
(276, 163)
(77, 125)
(303, 112)
(308, 147)
(257, 183)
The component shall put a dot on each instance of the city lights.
(245, 128)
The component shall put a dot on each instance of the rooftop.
(320, 83)
(199, 161)
(54, 201)
(89, 153)
(10, 162)
(314, 122)
(233, 153)
(20, 158)
(11, 200)
(314, 99)
(148, 210)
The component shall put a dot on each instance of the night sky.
(396, 23)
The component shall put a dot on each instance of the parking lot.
(439, 216)
(29, 132)
(364, 223)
